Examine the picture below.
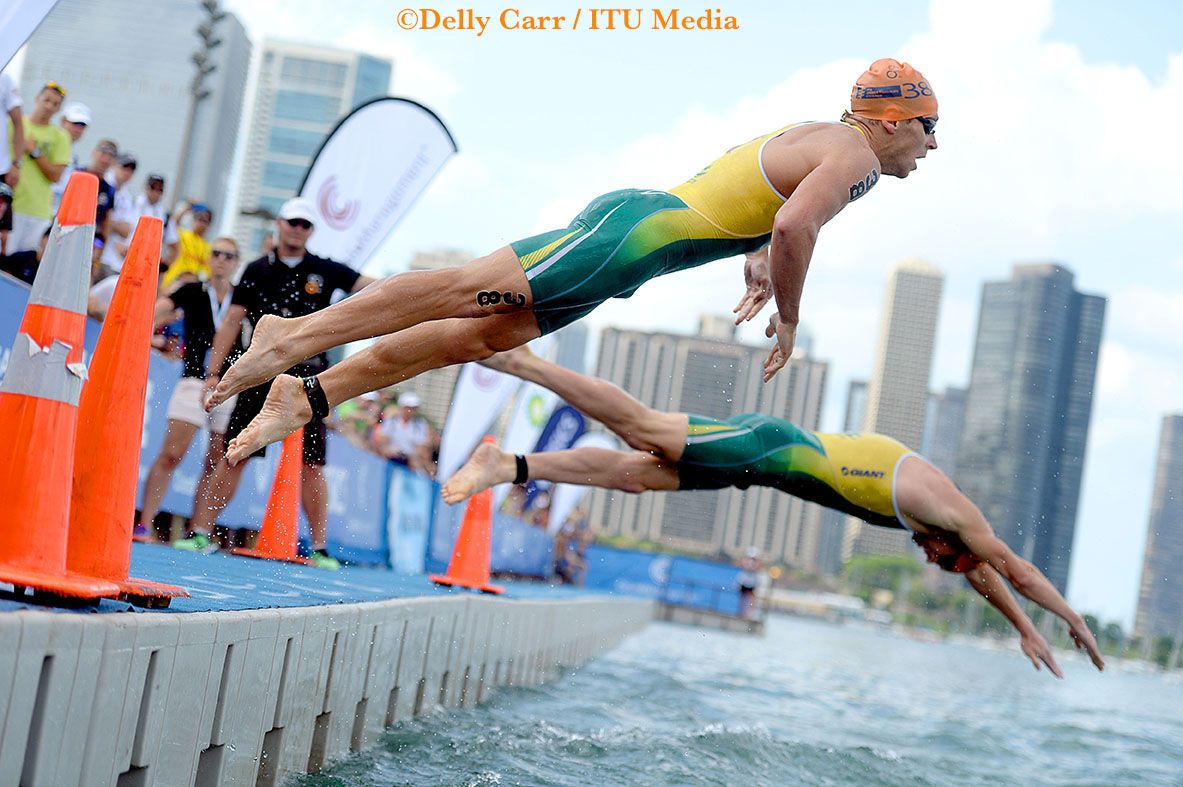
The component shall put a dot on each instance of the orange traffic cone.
(278, 536)
(39, 410)
(111, 426)
(469, 566)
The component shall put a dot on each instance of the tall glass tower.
(303, 91)
(1160, 601)
(1028, 410)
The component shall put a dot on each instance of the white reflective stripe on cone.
(41, 372)
(63, 278)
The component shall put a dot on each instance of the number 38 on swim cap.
(891, 90)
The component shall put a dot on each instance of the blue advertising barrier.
(410, 502)
(518, 548)
(361, 526)
(683, 581)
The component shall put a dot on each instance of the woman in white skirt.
(203, 305)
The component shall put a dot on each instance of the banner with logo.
(530, 414)
(477, 400)
(479, 395)
(18, 20)
(566, 425)
(565, 497)
(368, 173)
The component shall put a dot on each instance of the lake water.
(809, 703)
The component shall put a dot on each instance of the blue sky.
(1058, 142)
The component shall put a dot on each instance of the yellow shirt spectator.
(192, 255)
(32, 195)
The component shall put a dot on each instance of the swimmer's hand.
(1083, 639)
(786, 336)
(755, 274)
(1035, 647)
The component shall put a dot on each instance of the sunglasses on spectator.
(929, 124)
(55, 87)
(303, 224)
(226, 255)
(155, 187)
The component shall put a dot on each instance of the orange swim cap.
(891, 90)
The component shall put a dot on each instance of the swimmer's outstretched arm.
(928, 496)
(990, 586)
(818, 197)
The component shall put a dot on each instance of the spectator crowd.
(208, 302)
(41, 147)
(390, 425)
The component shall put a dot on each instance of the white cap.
(409, 399)
(298, 208)
(77, 112)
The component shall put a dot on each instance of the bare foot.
(488, 467)
(511, 361)
(269, 354)
(285, 411)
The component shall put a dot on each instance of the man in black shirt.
(102, 158)
(205, 306)
(288, 282)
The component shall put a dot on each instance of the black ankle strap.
(316, 397)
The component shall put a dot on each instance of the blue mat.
(223, 582)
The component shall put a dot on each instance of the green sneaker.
(322, 559)
(196, 542)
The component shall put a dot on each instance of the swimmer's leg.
(633, 471)
(643, 428)
(393, 359)
(385, 306)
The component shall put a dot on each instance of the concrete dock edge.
(210, 698)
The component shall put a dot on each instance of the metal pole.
(204, 67)
(186, 140)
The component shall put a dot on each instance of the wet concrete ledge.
(247, 696)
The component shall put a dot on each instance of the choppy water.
(810, 703)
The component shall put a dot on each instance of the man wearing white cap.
(404, 436)
(74, 121)
(290, 282)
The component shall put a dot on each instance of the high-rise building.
(1028, 410)
(856, 406)
(716, 326)
(897, 396)
(302, 92)
(1160, 602)
(129, 61)
(717, 379)
(571, 352)
(943, 426)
